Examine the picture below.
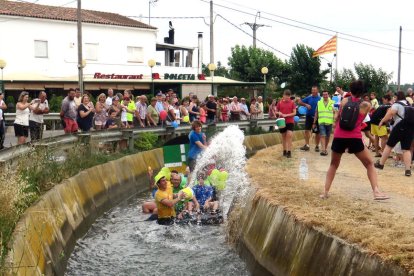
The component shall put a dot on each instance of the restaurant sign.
(155, 76)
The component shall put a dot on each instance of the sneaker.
(305, 148)
(289, 154)
(407, 172)
(324, 153)
(378, 155)
(284, 153)
(317, 149)
(378, 165)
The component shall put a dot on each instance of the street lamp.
(264, 71)
(151, 63)
(2, 65)
(212, 67)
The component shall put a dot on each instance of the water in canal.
(122, 243)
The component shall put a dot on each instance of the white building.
(39, 45)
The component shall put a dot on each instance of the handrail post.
(85, 139)
(128, 134)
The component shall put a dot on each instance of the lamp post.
(2, 65)
(212, 67)
(151, 64)
(264, 71)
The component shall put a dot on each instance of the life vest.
(325, 113)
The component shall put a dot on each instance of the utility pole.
(80, 64)
(254, 27)
(211, 33)
(399, 62)
(150, 2)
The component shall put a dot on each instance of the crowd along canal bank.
(272, 240)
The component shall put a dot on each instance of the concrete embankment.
(274, 242)
(270, 238)
(46, 234)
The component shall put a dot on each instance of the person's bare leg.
(366, 159)
(407, 159)
(376, 144)
(307, 136)
(284, 144)
(317, 140)
(330, 175)
(383, 140)
(385, 153)
(289, 136)
(323, 143)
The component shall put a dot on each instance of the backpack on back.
(349, 115)
(408, 113)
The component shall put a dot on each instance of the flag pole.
(336, 55)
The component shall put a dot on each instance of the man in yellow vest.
(324, 116)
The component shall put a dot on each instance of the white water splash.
(226, 151)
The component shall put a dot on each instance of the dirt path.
(351, 180)
(384, 228)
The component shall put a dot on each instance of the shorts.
(325, 130)
(354, 145)
(191, 163)
(289, 126)
(403, 134)
(20, 130)
(367, 127)
(378, 131)
(71, 125)
(309, 123)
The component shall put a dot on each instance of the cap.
(158, 177)
(126, 98)
(210, 95)
(159, 93)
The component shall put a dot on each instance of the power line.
(314, 26)
(264, 43)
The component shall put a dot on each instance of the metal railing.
(115, 135)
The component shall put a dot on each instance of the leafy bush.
(55, 103)
(146, 141)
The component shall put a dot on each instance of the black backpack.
(408, 113)
(349, 115)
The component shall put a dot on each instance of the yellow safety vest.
(325, 113)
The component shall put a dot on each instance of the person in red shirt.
(286, 108)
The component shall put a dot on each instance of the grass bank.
(382, 228)
(36, 174)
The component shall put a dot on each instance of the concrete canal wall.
(271, 240)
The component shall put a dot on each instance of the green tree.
(304, 70)
(246, 64)
(343, 79)
(375, 80)
(220, 70)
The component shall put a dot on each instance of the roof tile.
(67, 14)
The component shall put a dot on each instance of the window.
(91, 51)
(135, 54)
(40, 49)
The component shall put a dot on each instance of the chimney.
(200, 53)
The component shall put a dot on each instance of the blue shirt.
(202, 193)
(313, 102)
(194, 148)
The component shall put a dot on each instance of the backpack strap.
(403, 104)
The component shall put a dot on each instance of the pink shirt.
(356, 132)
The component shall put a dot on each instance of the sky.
(368, 30)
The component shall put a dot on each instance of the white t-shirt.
(38, 118)
(124, 115)
(400, 111)
(108, 101)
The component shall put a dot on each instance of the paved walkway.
(11, 140)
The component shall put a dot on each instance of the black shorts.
(309, 123)
(289, 126)
(403, 134)
(165, 221)
(354, 145)
(20, 130)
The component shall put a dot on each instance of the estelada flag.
(328, 47)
